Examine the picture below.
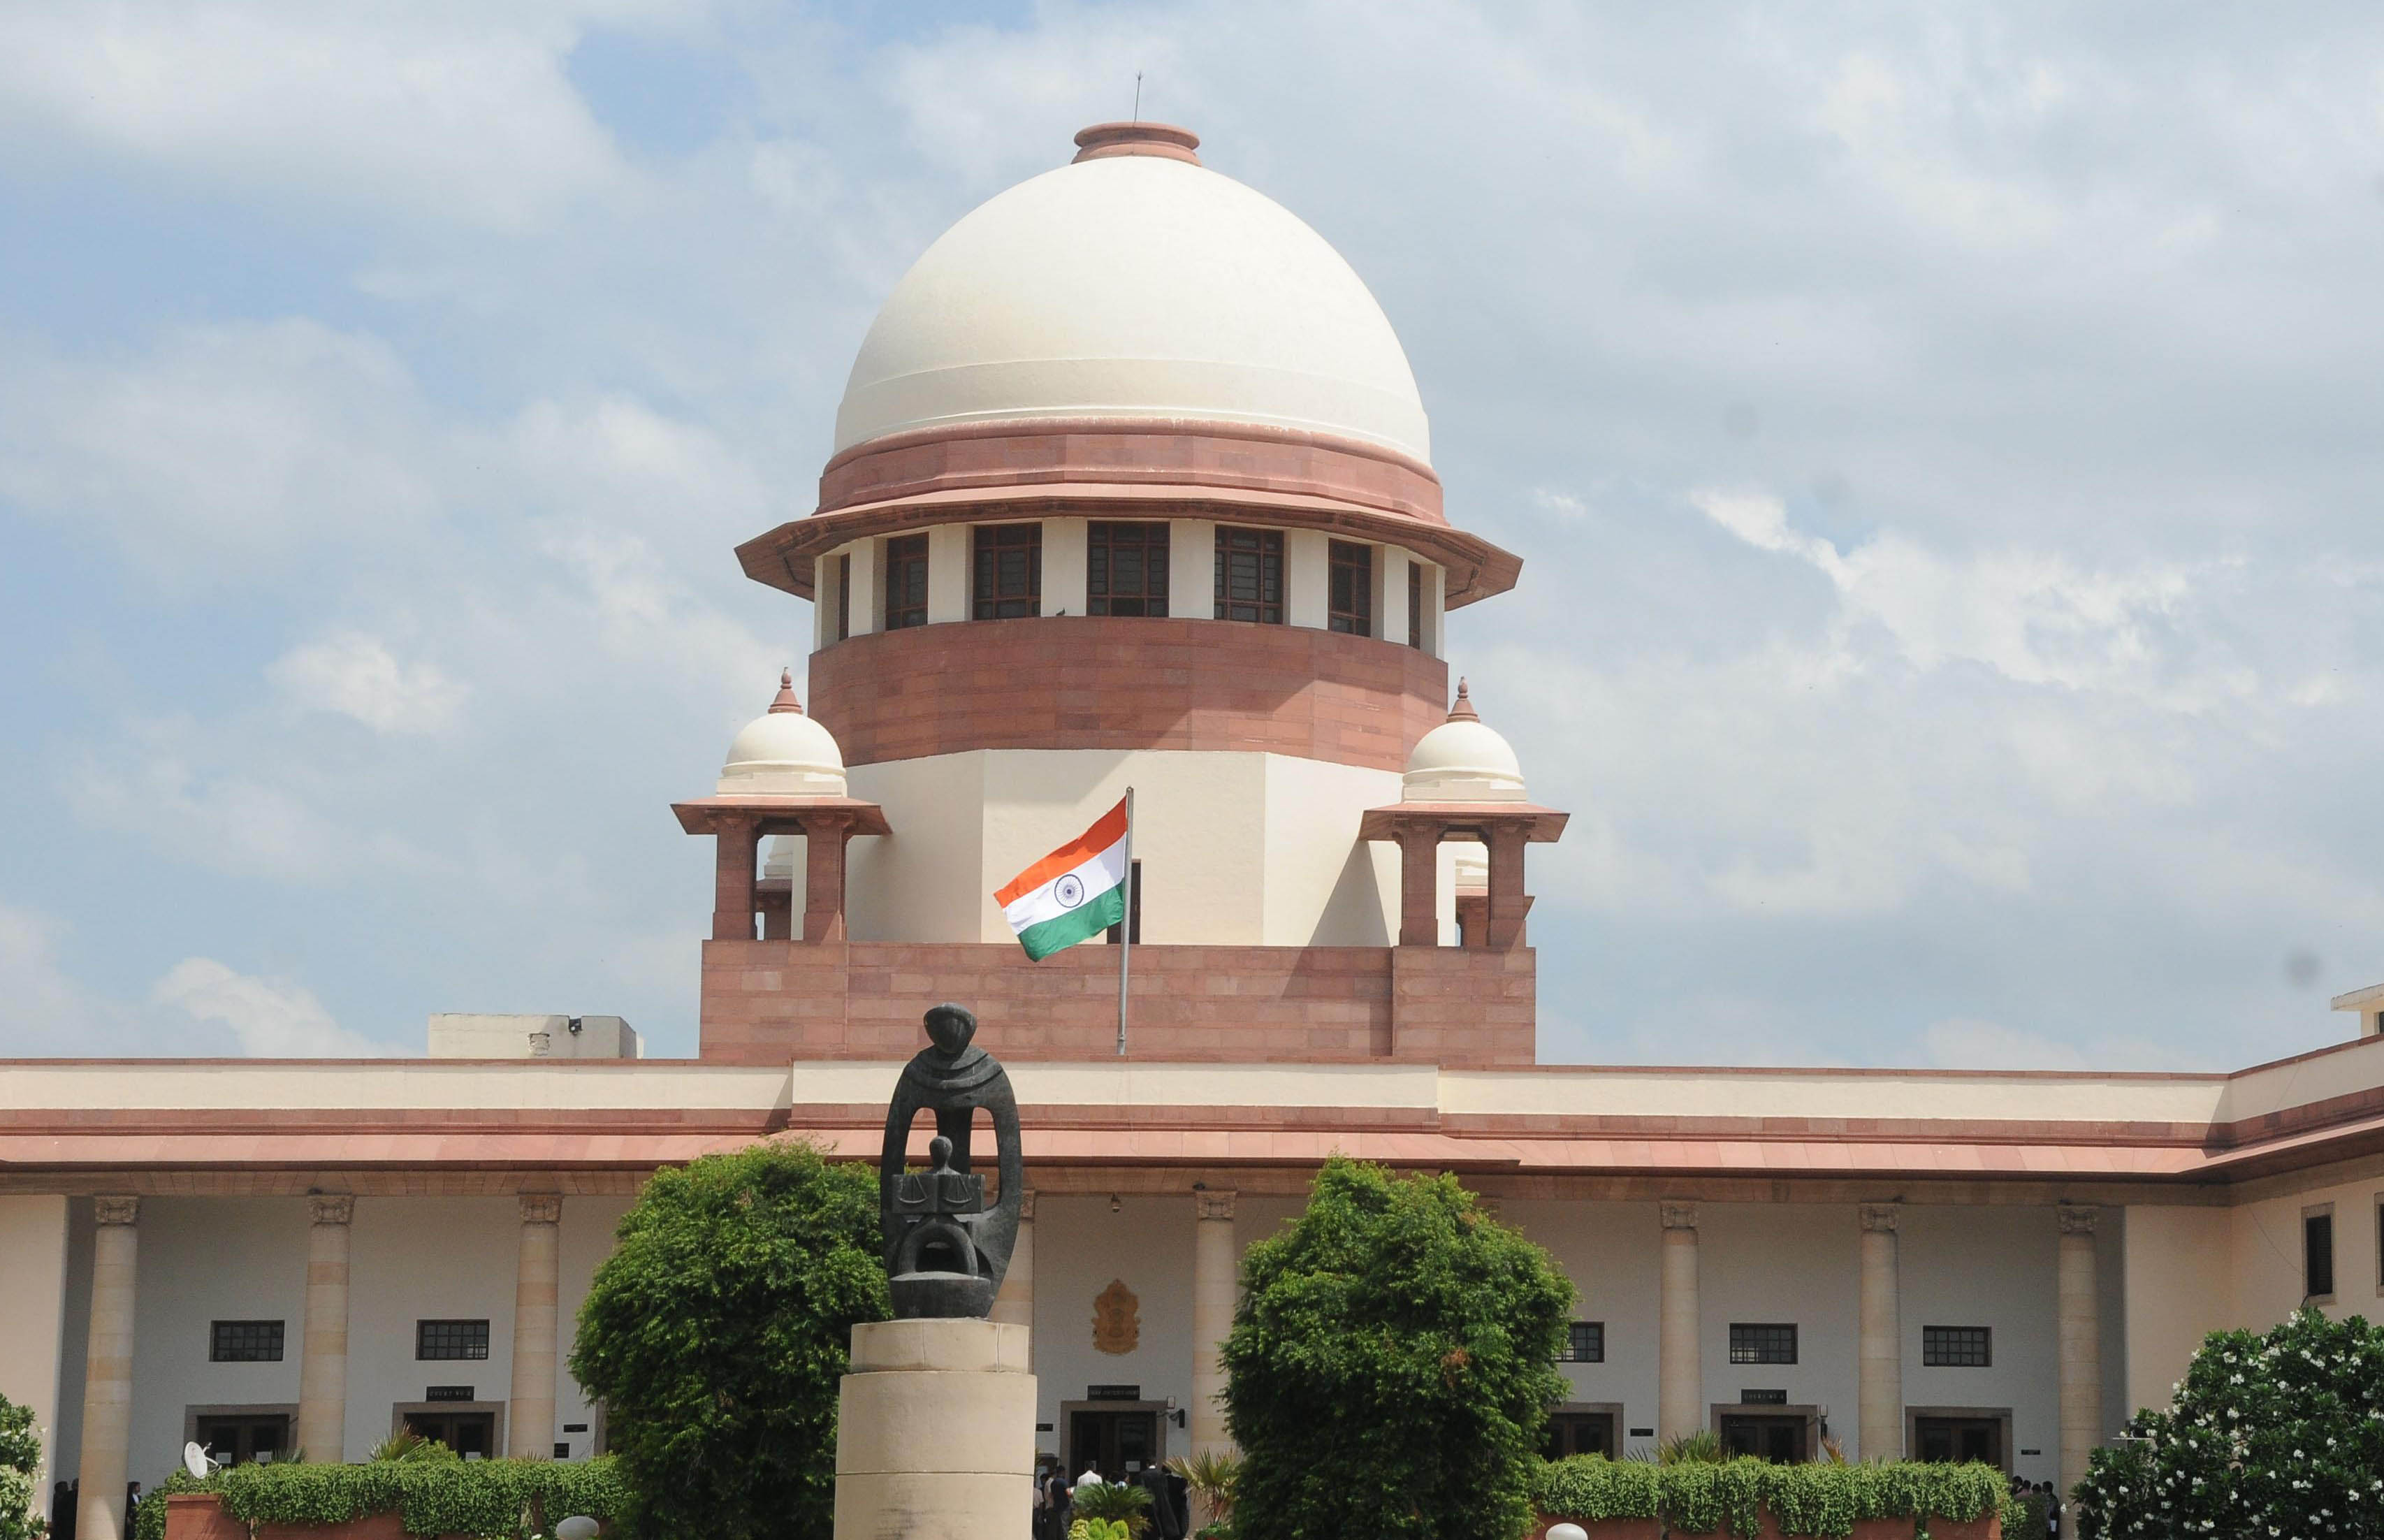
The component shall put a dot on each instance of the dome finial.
(786, 699)
(1463, 711)
(1164, 140)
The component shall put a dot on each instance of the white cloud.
(357, 676)
(445, 113)
(1963, 1043)
(274, 1018)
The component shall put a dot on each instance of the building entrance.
(1120, 1441)
(472, 1435)
(236, 1438)
(1778, 1439)
(1959, 1438)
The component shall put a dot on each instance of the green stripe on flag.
(1080, 924)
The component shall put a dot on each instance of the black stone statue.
(945, 1250)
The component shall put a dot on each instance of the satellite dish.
(195, 1460)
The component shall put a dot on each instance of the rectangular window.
(2317, 1254)
(1133, 908)
(1957, 1347)
(843, 597)
(1762, 1342)
(1125, 570)
(1009, 571)
(1585, 1343)
(1349, 606)
(906, 581)
(1415, 605)
(244, 1342)
(1250, 575)
(451, 1339)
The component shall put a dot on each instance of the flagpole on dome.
(1125, 921)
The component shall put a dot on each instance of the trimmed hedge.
(486, 1499)
(1819, 1501)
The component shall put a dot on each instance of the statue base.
(935, 1433)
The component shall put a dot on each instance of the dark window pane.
(1415, 606)
(906, 582)
(1349, 605)
(1125, 570)
(1585, 1343)
(843, 597)
(2317, 1254)
(1956, 1347)
(1762, 1342)
(1009, 571)
(244, 1342)
(451, 1339)
(1250, 575)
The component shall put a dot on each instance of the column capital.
(1678, 1216)
(541, 1208)
(330, 1207)
(2077, 1220)
(1880, 1217)
(117, 1211)
(1207, 1204)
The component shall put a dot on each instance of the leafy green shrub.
(1099, 1529)
(717, 1334)
(1391, 1364)
(20, 1468)
(1702, 1496)
(1113, 1500)
(2024, 1519)
(2280, 1433)
(495, 1499)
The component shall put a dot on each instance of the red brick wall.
(1104, 682)
(770, 1002)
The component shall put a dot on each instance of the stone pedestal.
(935, 1433)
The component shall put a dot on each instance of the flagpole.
(1126, 920)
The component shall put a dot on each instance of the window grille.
(1009, 571)
(1349, 605)
(1125, 570)
(1957, 1347)
(906, 582)
(1585, 1343)
(1762, 1342)
(244, 1342)
(1250, 575)
(451, 1339)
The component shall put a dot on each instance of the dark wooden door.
(1944, 1439)
(1120, 1445)
(1778, 1439)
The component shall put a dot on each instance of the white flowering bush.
(2273, 1438)
(20, 1465)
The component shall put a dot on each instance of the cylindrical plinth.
(935, 1433)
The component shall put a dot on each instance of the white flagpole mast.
(1125, 921)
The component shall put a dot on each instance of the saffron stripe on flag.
(1068, 857)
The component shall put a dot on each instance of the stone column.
(1881, 1346)
(323, 1368)
(1418, 887)
(823, 842)
(108, 1371)
(530, 1419)
(935, 1432)
(733, 879)
(1015, 1306)
(1681, 1376)
(2079, 1328)
(1215, 1287)
(1508, 902)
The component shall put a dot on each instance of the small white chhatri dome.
(783, 752)
(1462, 760)
(1134, 283)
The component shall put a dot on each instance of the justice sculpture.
(945, 1250)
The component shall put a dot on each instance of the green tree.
(20, 1467)
(1390, 1365)
(2274, 1435)
(715, 1335)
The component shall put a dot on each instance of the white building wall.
(2267, 1284)
(1080, 1246)
(417, 1259)
(1779, 1262)
(585, 1241)
(1990, 1267)
(1236, 849)
(1611, 1252)
(1066, 555)
(33, 1232)
(1191, 568)
(202, 1260)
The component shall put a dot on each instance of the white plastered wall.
(1611, 1252)
(2265, 1283)
(1236, 849)
(1781, 1262)
(1981, 1266)
(1081, 1246)
(33, 1230)
(417, 1259)
(1191, 568)
(203, 1260)
(1066, 547)
(585, 1241)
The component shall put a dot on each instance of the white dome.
(1462, 760)
(783, 752)
(1133, 285)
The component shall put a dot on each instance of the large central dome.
(1133, 284)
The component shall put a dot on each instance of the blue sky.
(1944, 444)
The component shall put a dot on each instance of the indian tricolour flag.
(1075, 892)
